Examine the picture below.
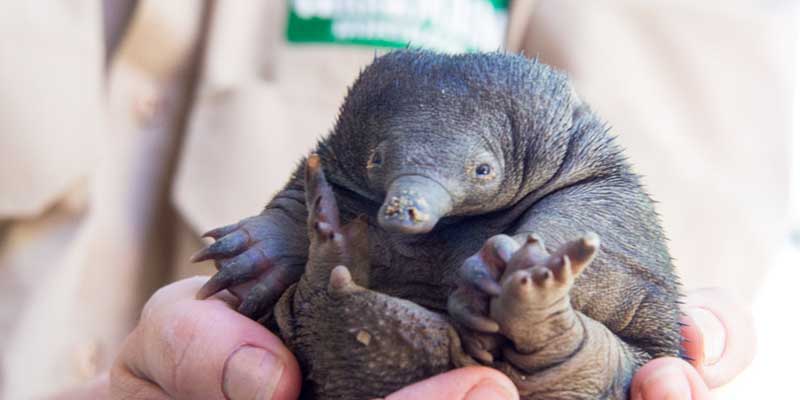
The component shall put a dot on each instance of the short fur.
(411, 134)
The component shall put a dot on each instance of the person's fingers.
(668, 378)
(182, 290)
(720, 337)
(185, 348)
(470, 383)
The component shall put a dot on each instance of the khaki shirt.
(103, 192)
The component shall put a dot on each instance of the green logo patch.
(452, 26)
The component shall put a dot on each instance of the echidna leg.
(555, 352)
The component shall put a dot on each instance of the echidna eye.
(375, 159)
(483, 170)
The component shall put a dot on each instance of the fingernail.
(491, 390)
(251, 373)
(668, 383)
(713, 334)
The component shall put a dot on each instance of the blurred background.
(128, 128)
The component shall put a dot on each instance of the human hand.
(469, 383)
(184, 348)
(720, 342)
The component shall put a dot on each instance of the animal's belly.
(419, 269)
(418, 284)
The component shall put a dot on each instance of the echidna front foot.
(468, 305)
(256, 259)
(479, 280)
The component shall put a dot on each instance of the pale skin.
(181, 346)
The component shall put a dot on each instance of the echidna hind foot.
(550, 350)
(352, 342)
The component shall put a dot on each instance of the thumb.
(184, 348)
(470, 383)
(719, 333)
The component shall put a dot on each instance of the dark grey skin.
(451, 163)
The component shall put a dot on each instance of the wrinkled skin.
(439, 169)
